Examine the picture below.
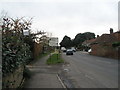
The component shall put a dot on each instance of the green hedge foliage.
(14, 51)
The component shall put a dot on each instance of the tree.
(66, 42)
(89, 35)
(81, 37)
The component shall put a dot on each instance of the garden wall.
(105, 51)
(13, 80)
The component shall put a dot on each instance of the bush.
(116, 44)
(14, 51)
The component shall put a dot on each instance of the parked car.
(89, 50)
(74, 50)
(63, 49)
(69, 52)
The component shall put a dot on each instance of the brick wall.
(118, 36)
(105, 51)
(13, 80)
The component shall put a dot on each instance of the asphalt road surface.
(88, 71)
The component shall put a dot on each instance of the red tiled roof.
(108, 38)
(88, 41)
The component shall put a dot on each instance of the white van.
(63, 49)
(74, 50)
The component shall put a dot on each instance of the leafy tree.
(66, 42)
(89, 35)
(81, 37)
(78, 40)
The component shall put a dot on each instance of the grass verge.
(55, 59)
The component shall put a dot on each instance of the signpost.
(53, 41)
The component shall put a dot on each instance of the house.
(88, 42)
(103, 45)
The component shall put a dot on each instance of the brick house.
(88, 42)
(102, 46)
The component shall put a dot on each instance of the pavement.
(88, 71)
(80, 70)
(43, 75)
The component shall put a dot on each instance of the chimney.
(111, 30)
(97, 36)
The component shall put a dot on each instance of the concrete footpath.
(43, 75)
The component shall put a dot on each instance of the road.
(88, 71)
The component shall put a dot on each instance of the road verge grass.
(55, 59)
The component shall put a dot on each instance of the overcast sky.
(66, 17)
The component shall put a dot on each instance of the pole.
(57, 51)
(50, 55)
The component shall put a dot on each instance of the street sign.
(53, 41)
(26, 32)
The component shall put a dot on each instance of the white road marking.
(88, 76)
(61, 82)
(66, 69)
(84, 52)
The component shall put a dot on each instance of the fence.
(38, 49)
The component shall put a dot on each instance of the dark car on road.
(69, 52)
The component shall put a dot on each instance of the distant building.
(88, 42)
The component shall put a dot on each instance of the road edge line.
(63, 85)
